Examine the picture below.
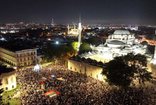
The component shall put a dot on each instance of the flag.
(60, 78)
(52, 93)
(42, 85)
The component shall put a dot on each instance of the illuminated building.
(8, 77)
(118, 44)
(17, 55)
(72, 32)
(89, 67)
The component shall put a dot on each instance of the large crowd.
(75, 88)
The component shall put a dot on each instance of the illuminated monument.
(72, 32)
(117, 44)
(121, 42)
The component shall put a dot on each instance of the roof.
(89, 61)
(3, 69)
(13, 47)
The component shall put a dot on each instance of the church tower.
(79, 33)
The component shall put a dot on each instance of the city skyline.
(67, 11)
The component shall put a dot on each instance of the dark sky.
(67, 11)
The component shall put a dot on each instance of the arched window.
(97, 76)
(12, 80)
(6, 81)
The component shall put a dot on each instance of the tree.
(85, 47)
(122, 70)
(93, 41)
(118, 73)
(58, 52)
(139, 64)
(74, 45)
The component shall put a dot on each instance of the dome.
(121, 32)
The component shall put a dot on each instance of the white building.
(120, 43)
(8, 78)
(117, 44)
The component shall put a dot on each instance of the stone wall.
(85, 68)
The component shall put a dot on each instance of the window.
(12, 80)
(71, 68)
(6, 88)
(91, 74)
(80, 70)
(12, 86)
(6, 81)
(75, 69)
(97, 76)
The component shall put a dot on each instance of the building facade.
(8, 78)
(86, 66)
(18, 55)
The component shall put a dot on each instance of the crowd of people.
(75, 89)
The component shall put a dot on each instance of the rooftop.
(13, 47)
(89, 61)
(3, 69)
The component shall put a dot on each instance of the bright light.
(153, 61)
(37, 67)
(57, 42)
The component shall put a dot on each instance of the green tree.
(122, 70)
(58, 52)
(118, 73)
(85, 47)
(139, 64)
(93, 41)
(74, 45)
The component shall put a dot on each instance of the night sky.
(67, 11)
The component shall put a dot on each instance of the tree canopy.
(53, 52)
(122, 70)
(93, 41)
(85, 47)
